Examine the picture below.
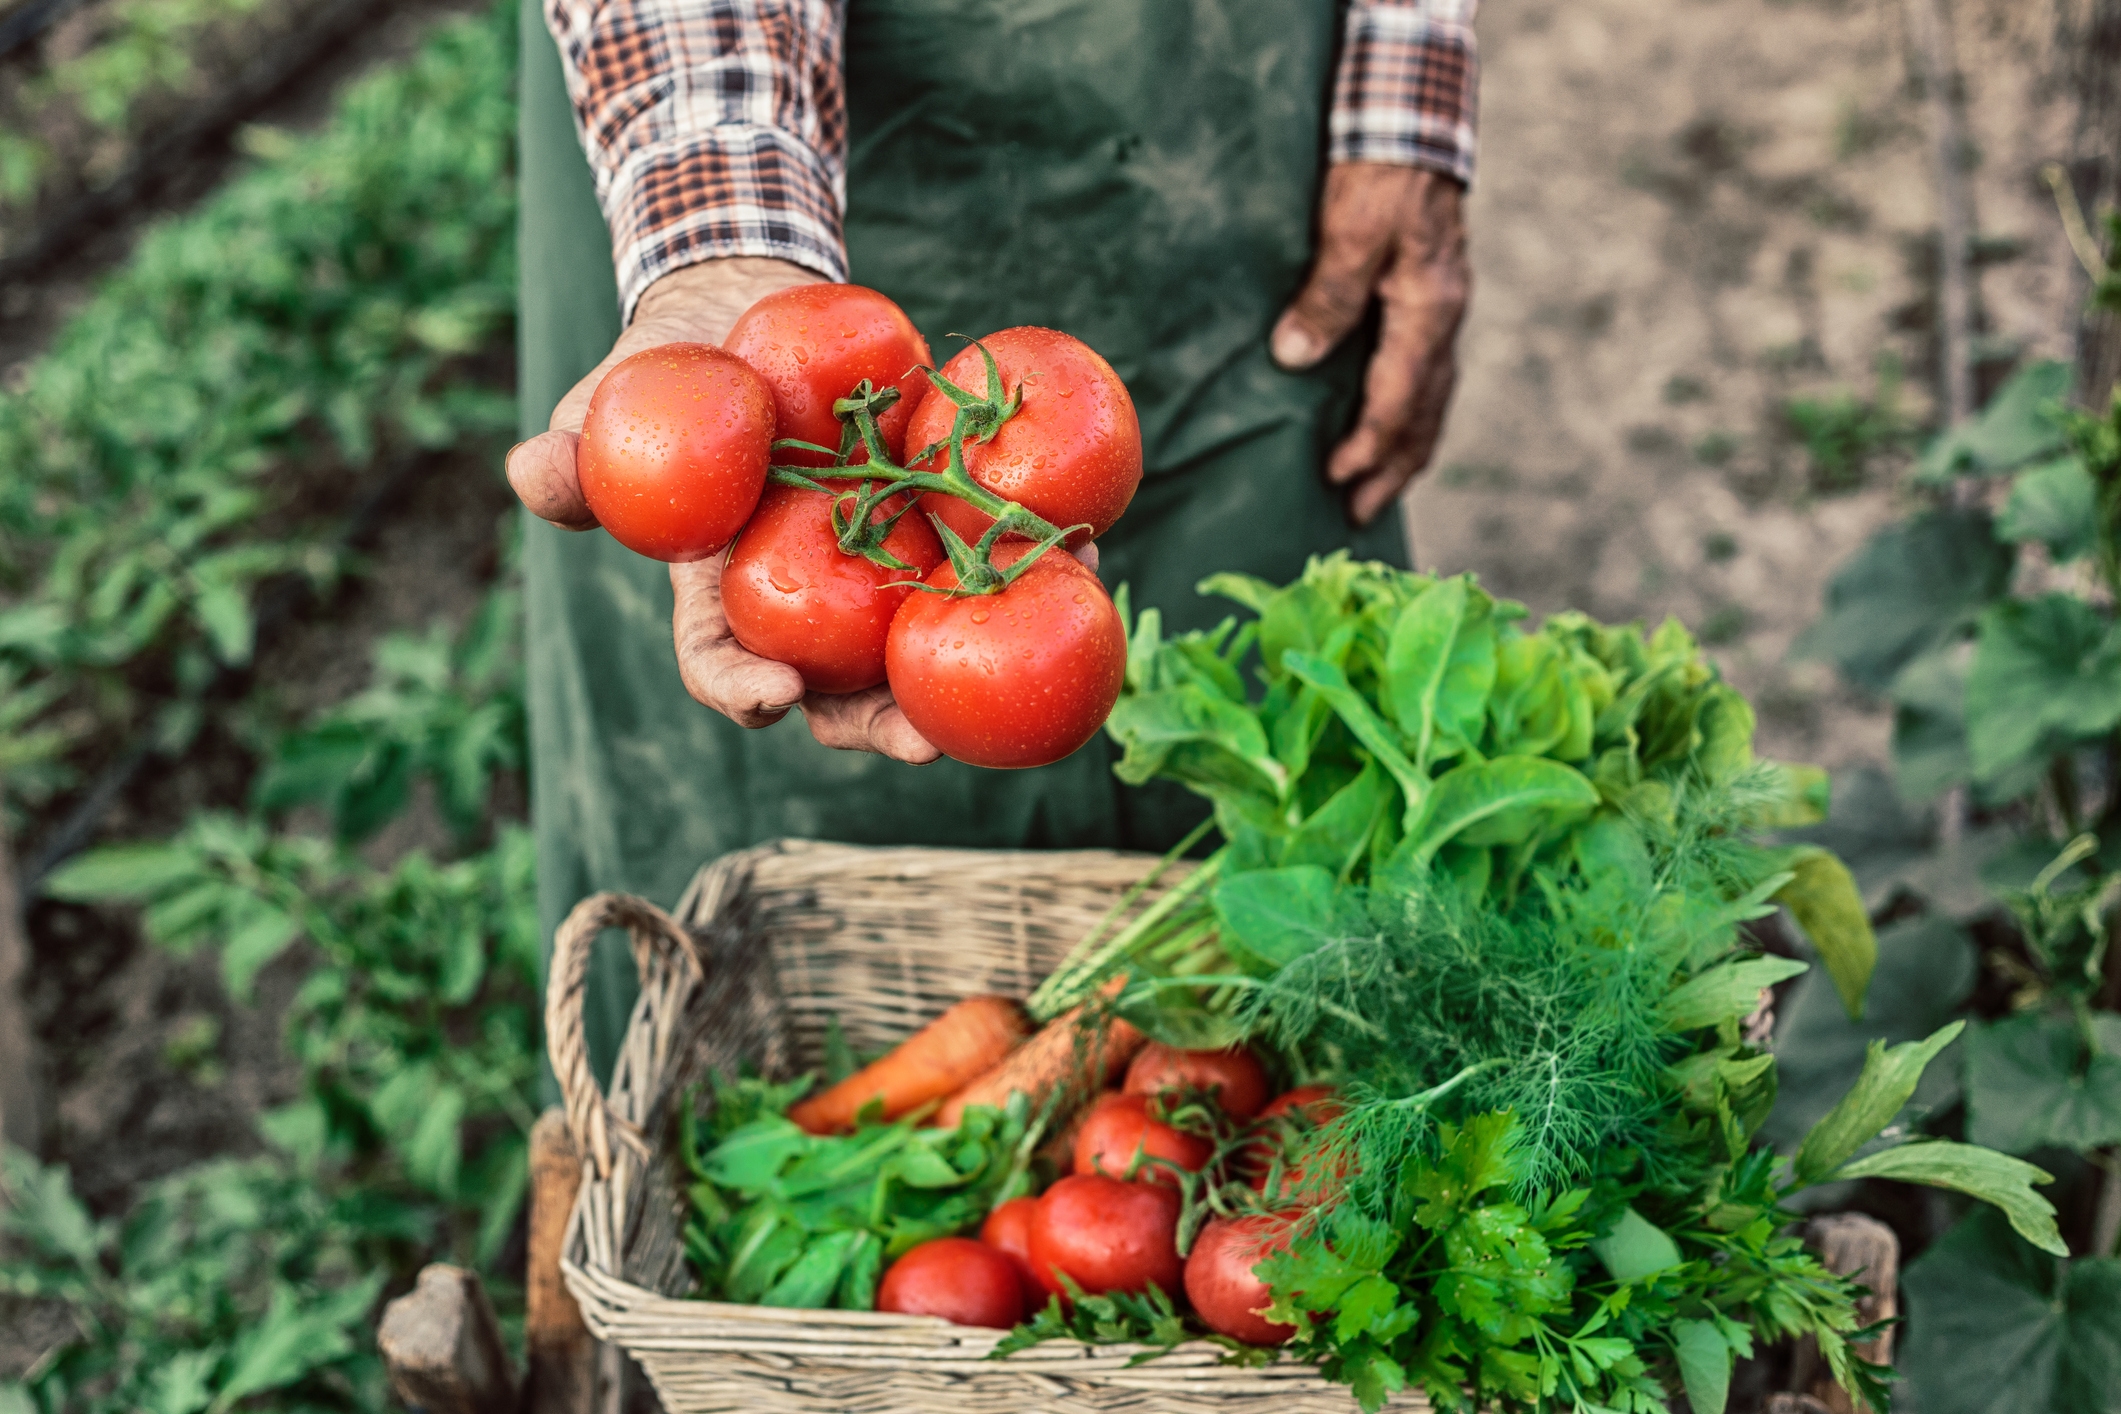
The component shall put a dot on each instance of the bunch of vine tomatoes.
(884, 521)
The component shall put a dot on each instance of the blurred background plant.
(261, 724)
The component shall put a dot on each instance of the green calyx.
(855, 523)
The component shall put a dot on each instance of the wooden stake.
(443, 1347)
(558, 1348)
(1851, 1245)
(1931, 57)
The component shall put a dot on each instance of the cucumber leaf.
(1996, 1327)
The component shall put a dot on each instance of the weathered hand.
(699, 304)
(1396, 234)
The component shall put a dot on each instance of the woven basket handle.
(654, 932)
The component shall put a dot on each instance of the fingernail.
(1294, 346)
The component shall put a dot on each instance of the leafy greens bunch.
(1490, 881)
(781, 1217)
(1552, 1190)
(1408, 726)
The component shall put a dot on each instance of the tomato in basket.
(958, 1279)
(1107, 1235)
(1221, 1284)
(1234, 1074)
(1008, 1231)
(1118, 1125)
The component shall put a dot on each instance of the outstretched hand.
(699, 304)
(1395, 234)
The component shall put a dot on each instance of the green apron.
(1140, 173)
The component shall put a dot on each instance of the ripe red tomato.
(1015, 679)
(1220, 1281)
(1107, 1235)
(956, 1278)
(1008, 1231)
(674, 450)
(1234, 1074)
(1072, 453)
(813, 343)
(793, 596)
(1118, 1125)
(1313, 1105)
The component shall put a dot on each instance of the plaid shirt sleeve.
(713, 128)
(1407, 86)
(719, 127)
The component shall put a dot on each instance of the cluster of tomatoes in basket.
(1112, 1223)
(885, 521)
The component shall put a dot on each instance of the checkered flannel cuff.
(733, 189)
(1407, 86)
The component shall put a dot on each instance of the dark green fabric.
(1140, 173)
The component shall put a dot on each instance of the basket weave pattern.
(765, 946)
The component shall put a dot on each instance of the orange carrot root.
(1064, 1054)
(965, 1042)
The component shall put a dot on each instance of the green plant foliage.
(1843, 434)
(224, 1282)
(317, 312)
(2038, 1081)
(1916, 582)
(2018, 427)
(1926, 969)
(1998, 1328)
(784, 1218)
(451, 713)
(1406, 724)
(416, 1024)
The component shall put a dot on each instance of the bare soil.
(1688, 212)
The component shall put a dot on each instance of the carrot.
(963, 1043)
(1073, 1047)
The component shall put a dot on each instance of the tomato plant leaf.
(2032, 1081)
(123, 872)
(261, 935)
(1888, 1081)
(1996, 1327)
(1822, 896)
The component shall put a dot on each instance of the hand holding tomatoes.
(1020, 656)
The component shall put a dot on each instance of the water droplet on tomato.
(1082, 598)
(979, 616)
(802, 355)
(785, 578)
(1065, 392)
(959, 644)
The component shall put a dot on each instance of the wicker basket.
(765, 946)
